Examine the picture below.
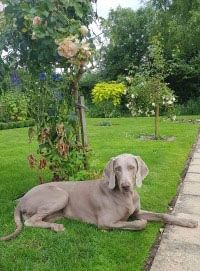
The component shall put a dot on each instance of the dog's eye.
(118, 168)
(130, 167)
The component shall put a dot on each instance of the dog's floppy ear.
(142, 171)
(109, 173)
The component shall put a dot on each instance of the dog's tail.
(19, 225)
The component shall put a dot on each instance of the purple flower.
(15, 79)
(42, 76)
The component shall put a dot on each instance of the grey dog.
(108, 202)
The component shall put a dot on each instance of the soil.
(152, 137)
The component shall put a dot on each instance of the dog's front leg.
(124, 225)
(166, 218)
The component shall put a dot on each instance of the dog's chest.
(125, 207)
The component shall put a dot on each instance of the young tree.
(148, 92)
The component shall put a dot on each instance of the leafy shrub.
(107, 98)
(15, 106)
(87, 83)
(192, 107)
(18, 124)
(110, 91)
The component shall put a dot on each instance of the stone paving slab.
(188, 204)
(191, 188)
(196, 155)
(179, 249)
(192, 177)
(182, 234)
(195, 161)
(194, 168)
(177, 256)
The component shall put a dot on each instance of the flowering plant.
(144, 94)
(147, 90)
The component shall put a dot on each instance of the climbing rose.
(67, 48)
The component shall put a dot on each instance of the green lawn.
(82, 246)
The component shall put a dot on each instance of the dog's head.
(125, 171)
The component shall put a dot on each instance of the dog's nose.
(126, 186)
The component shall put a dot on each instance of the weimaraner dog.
(107, 203)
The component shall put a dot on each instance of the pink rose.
(37, 20)
(67, 48)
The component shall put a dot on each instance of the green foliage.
(192, 107)
(104, 109)
(107, 97)
(15, 106)
(87, 83)
(32, 27)
(128, 33)
(18, 124)
(108, 91)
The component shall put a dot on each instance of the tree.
(148, 92)
(178, 22)
(127, 32)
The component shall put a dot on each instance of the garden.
(71, 99)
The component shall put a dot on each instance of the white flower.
(153, 104)
(140, 111)
(170, 102)
(173, 99)
(125, 91)
(133, 113)
(84, 30)
(2, 7)
(132, 96)
(128, 79)
(33, 37)
(128, 105)
(174, 117)
(152, 112)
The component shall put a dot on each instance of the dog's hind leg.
(48, 208)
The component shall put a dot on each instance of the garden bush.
(192, 107)
(14, 106)
(107, 98)
(17, 124)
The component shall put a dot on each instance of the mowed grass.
(82, 246)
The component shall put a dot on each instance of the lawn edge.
(153, 250)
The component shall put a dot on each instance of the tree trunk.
(157, 122)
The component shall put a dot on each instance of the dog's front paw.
(58, 227)
(192, 224)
